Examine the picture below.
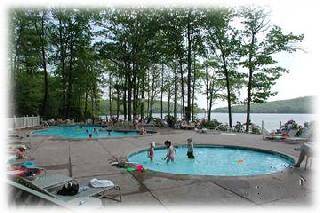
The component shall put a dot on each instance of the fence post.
(262, 129)
(14, 121)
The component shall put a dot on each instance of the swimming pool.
(81, 132)
(215, 160)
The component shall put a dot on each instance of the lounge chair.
(26, 196)
(19, 194)
(49, 181)
(266, 135)
(276, 137)
(188, 127)
(50, 184)
(292, 138)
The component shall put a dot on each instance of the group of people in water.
(142, 131)
(94, 131)
(171, 151)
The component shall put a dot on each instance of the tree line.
(65, 61)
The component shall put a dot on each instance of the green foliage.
(212, 124)
(64, 62)
(170, 120)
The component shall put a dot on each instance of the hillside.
(296, 105)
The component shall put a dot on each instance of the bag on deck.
(69, 189)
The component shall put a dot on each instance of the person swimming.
(142, 131)
(171, 151)
(190, 148)
(151, 151)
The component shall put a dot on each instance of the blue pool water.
(81, 132)
(219, 161)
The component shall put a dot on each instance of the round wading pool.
(215, 160)
(82, 132)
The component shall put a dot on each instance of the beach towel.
(95, 183)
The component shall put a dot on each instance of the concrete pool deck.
(84, 160)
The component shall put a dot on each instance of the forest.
(65, 62)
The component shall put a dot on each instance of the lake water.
(271, 120)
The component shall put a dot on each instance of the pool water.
(82, 132)
(219, 161)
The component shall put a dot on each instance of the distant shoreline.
(300, 105)
(265, 112)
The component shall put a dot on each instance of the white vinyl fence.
(24, 122)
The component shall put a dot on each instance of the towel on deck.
(101, 183)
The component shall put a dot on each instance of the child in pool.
(151, 151)
(142, 131)
(190, 148)
(171, 151)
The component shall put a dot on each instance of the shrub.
(170, 120)
(212, 124)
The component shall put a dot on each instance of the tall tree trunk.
(92, 107)
(118, 102)
(148, 102)
(46, 85)
(161, 91)
(250, 82)
(193, 85)
(142, 97)
(62, 60)
(226, 73)
(129, 97)
(182, 88)
(189, 61)
(207, 90)
(168, 106)
(124, 99)
(249, 100)
(69, 88)
(136, 98)
(86, 105)
(110, 95)
(175, 92)
(44, 66)
(134, 86)
(152, 96)
(210, 99)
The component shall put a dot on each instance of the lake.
(271, 120)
